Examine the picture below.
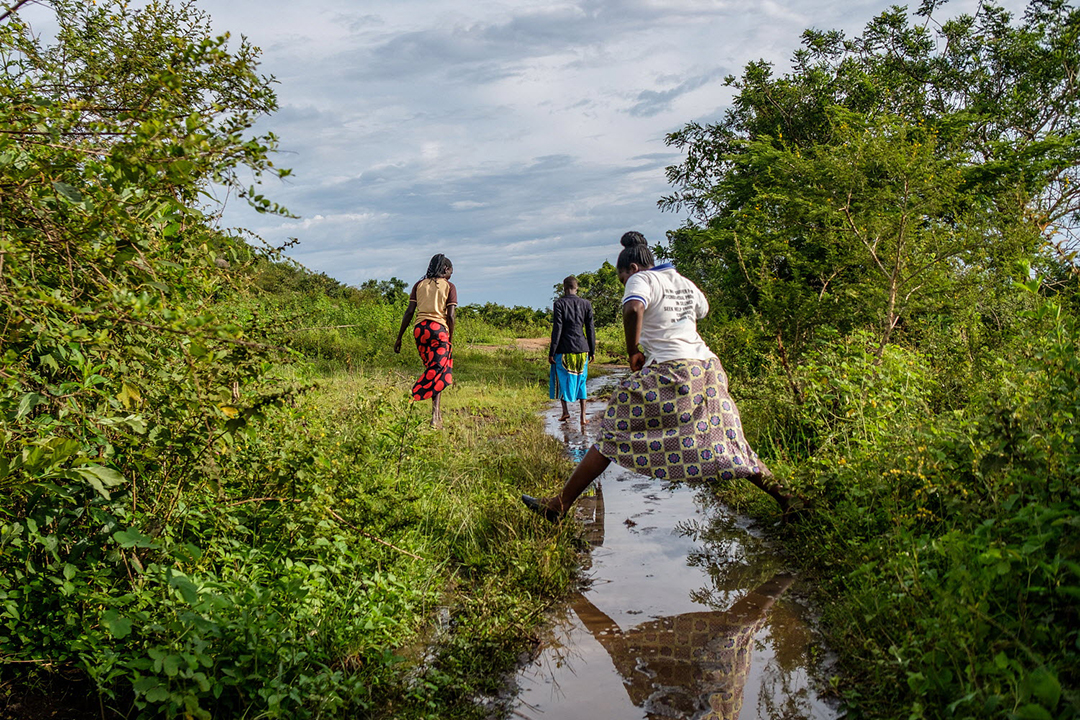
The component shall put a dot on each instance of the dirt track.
(527, 344)
(532, 343)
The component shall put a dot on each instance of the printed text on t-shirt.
(681, 302)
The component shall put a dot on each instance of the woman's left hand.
(637, 361)
(397, 346)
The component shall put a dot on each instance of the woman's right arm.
(633, 313)
(406, 320)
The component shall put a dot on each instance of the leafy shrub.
(950, 540)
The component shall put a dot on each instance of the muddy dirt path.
(688, 612)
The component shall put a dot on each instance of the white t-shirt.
(673, 305)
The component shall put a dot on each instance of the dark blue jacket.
(572, 328)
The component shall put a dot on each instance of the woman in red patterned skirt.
(434, 301)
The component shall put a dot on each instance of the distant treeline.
(283, 277)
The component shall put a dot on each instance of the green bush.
(518, 321)
(948, 542)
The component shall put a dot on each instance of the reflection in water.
(684, 616)
(692, 665)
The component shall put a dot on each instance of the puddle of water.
(687, 614)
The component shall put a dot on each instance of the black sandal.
(549, 514)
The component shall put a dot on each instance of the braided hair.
(439, 267)
(635, 250)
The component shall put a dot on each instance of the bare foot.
(564, 418)
(584, 421)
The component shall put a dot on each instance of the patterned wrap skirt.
(676, 421)
(568, 377)
(433, 344)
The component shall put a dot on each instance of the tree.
(391, 291)
(603, 289)
(1000, 104)
(856, 231)
(120, 382)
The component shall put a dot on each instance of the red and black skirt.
(433, 344)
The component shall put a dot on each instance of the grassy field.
(450, 497)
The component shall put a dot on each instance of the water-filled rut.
(687, 611)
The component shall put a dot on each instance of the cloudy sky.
(519, 137)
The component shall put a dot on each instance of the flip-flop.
(549, 514)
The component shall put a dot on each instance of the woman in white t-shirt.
(672, 417)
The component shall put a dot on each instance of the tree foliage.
(870, 228)
(520, 320)
(123, 387)
(107, 258)
(970, 132)
(392, 291)
(603, 289)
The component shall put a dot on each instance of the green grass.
(495, 567)
(302, 572)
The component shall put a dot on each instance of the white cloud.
(521, 138)
(322, 220)
(467, 205)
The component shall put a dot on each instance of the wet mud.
(687, 612)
